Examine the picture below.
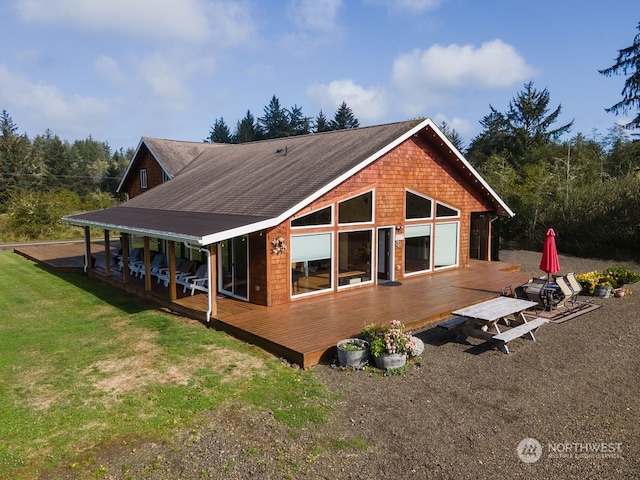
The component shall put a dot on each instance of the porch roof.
(174, 225)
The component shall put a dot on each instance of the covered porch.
(306, 331)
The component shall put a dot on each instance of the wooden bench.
(453, 323)
(524, 330)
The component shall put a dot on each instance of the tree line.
(278, 122)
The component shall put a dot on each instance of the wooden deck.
(306, 331)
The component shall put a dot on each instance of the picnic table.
(481, 321)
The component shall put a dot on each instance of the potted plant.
(391, 345)
(620, 292)
(601, 284)
(596, 283)
(353, 352)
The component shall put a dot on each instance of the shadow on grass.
(118, 298)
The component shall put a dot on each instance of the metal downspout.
(207, 252)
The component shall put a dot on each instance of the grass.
(83, 365)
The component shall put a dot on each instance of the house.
(281, 220)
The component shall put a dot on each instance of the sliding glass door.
(233, 266)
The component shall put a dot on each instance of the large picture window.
(417, 206)
(314, 219)
(354, 257)
(310, 263)
(444, 211)
(417, 252)
(446, 245)
(357, 209)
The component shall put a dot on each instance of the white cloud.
(494, 65)
(416, 6)
(367, 104)
(412, 6)
(108, 69)
(314, 14)
(185, 20)
(47, 107)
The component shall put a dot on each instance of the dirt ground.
(460, 412)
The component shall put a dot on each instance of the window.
(357, 209)
(143, 178)
(446, 245)
(417, 251)
(443, 211)
(314, 219)
(165, 176)
(417, 206)
(310, 263)
(354, 257)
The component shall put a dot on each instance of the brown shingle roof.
(269, 177)
(223, 190)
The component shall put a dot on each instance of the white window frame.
(433, 205)
(324, 225)
(435, 245)
(435, 211)
(373, 209)
(331, 265)
(372, 258)
(143, 178)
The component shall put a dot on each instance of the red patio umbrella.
(549, 262)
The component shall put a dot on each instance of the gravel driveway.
(460, 414)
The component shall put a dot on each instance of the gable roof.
(171, 155)
(224, 190)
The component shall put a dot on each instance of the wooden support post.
(172, 270)
(107, 254)
(124, 240)
(147, 265)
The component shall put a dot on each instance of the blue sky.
(122, 69)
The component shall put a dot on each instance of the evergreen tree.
(298, 123)
(14, 159)
(56, 158)
(321, 123)
(220, 132)
(275, 122)
(247, 130)
(89, 162)
(344, 118)
(526, 124)
(628, 63)
(452, 135)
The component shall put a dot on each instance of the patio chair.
(197, 281)
(576, 286)
(136, 261)
(156, 264)
(163, 273)
(569, 297)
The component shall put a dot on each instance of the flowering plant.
(593, 279)
(278, 245)
(390, 339)
(611, 277)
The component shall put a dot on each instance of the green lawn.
(82, 364)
